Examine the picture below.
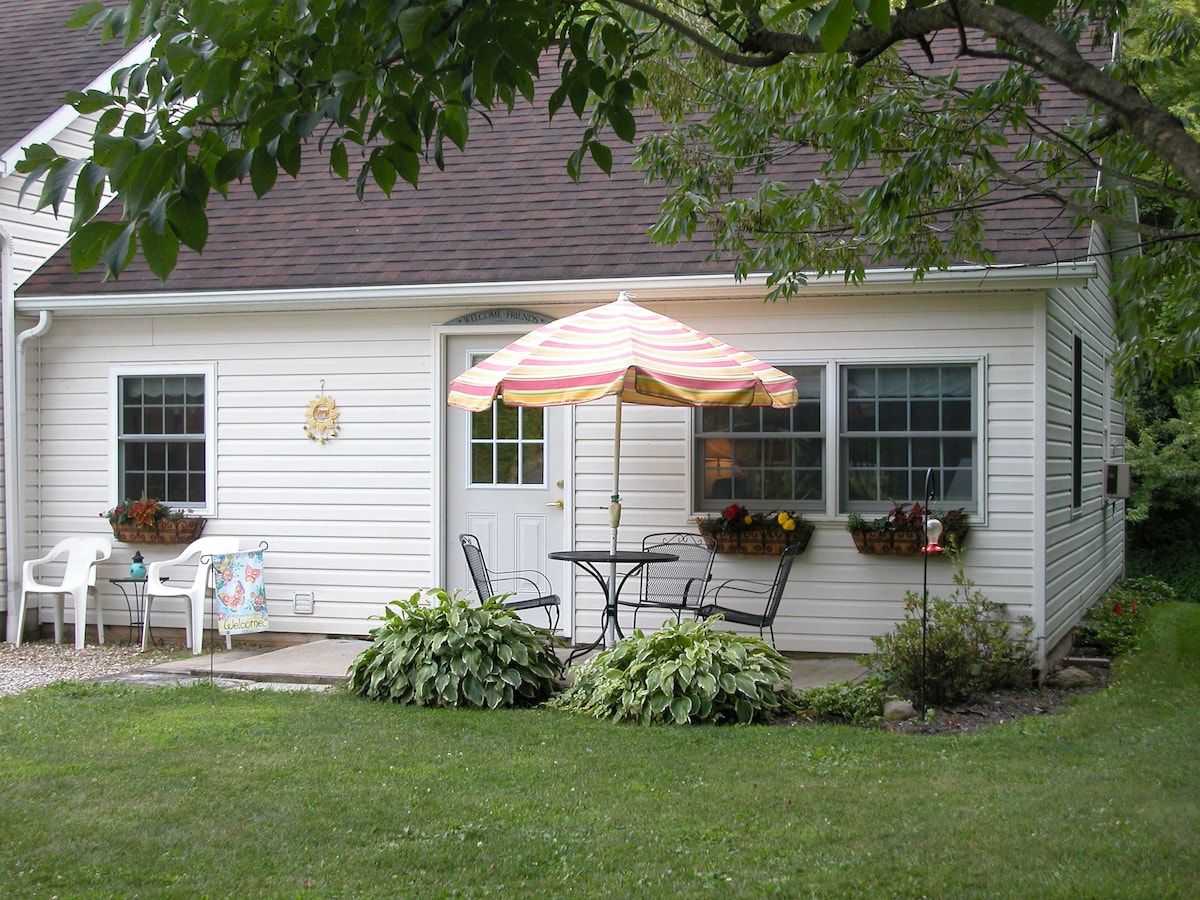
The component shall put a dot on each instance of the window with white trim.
(163, 442)
(764, 458)
(897, 422)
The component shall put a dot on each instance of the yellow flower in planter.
(735, 518)
(739, 530)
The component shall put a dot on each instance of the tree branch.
(1039, 47)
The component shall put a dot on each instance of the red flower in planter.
(1118, 609)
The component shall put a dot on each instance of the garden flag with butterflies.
(240, 593)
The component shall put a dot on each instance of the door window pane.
(508, 445)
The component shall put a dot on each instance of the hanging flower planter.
(168, 531)
(901, 532)
(150, 522)
(761, 541)
(739, 531)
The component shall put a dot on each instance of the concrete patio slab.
(315, 662)
(325, 662)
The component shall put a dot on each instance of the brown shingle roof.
(503, 211)
(41, 60)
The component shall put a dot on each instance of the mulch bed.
(994, 708)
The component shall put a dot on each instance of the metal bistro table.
(591, 561)
(136, 604)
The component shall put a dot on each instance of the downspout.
(12, 556)
(14, 440)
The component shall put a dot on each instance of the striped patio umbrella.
(625, 351)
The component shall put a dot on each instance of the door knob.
(557, 504)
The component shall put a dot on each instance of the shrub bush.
(1176, 563)
(854, 701)
(450, 653)
(1113, 627)
(683, 673)
(969, 647)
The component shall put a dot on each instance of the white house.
(997, 377)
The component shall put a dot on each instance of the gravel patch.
(44, 662)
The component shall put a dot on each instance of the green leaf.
(189, 220)
(263, 171)
(623, 123)
(454, 124)
(88, 102)
(160, 250)
(411, 24)
(574, 164)
(613, 38)
(59, 182)
(601, 155)
(84, 14)
(837, 21)
(89, 242)
(339, 160)
(119, 253)
(681, 709)
(880, 14)
(383, 172)
(288, 153)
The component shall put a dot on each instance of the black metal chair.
(675, 586)
(736, 588)
(528, 581)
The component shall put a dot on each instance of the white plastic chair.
(79, 577)
(196, 553)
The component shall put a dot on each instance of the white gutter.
(62, 118)
(572, 292)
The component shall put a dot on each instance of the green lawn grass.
(190, 792)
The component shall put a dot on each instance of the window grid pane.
(764, 458)
(508, 445)
(161, 443)
(898, 422)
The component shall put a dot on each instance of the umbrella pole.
(614, 521)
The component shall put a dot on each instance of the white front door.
(505, 483)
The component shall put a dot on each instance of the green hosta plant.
(684, 673)
(438, 650)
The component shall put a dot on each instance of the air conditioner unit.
(1116, 480)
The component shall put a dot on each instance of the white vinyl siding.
(1084, 542)
(349, 520)
(357, 520)
(838, 598)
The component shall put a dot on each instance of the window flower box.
(902, 533)
(151, 522)
(169, 531)
(739, 531)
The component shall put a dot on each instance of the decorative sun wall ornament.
(322, 423)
